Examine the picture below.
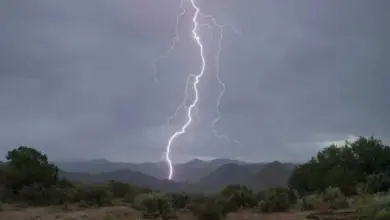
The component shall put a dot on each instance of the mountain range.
(193, 176)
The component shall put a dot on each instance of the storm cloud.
(77, 80)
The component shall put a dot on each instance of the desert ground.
(126, 213)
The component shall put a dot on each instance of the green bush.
(237, 196)
(179, 200)
(363, 160)
(379, 209)
(120, 190)
(60, 196)
(154, 205)
(34, 194)
(275, 200)
(331, 198)
(129, 197)
(310, 202)
(212, 209)
(379, 182)
(95, 195)
(334, 198)
(195, 201)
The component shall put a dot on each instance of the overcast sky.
(77, 80)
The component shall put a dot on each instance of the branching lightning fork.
(217, 60)
(193, 78)
(174, 40)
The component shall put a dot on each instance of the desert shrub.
(260, 196)
(154, 205)
(238, 196)
(129, 197)
(2, 192)
(334, 198)
(61, 195)
(275, 200)
(378, 182)
(243, 198)
(213, 208)
(118, 189)
(179, 200)
(65, 184)
(310, 202)
(195, 201)
(34, 194)
(95, 195)
(379, 209)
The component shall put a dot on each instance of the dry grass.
(123, 213)
(248, 215)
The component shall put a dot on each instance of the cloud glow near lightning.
(193, 79)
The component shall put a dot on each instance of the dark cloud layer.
(76, 77)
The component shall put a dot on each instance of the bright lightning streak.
(196, 81)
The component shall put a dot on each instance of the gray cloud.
(76, 77)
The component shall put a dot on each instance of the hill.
(274, 174)
(224, 175)
(196, 169)
(126, 176)
(191, 171)
(96, 166)
(255, 176)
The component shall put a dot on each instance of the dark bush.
(179, 200)
(95, 195)
(275, 200)
(154, 205)
(212, 209)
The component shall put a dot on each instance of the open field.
(126, 213)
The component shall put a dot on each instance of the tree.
(345, 167)
(26, 167)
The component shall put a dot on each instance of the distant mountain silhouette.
(191, 171)
(193, 176)
(224, 175)
(196, 169)
(125, 176)
(158, 170)
(274, 174)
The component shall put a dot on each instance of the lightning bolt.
(193, 79)
(196, 81)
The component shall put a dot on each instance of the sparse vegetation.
(179, 200)
(275, 200)
(356, 175)
(154, 205)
